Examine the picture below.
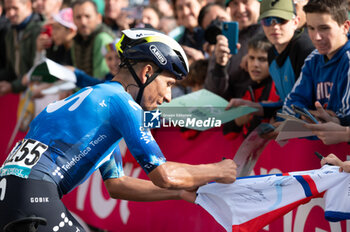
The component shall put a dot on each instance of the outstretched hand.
(228, 169)
(324, 115)
(234, 102)
(333, 159)
(330, 132)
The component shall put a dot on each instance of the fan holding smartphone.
(230, 31)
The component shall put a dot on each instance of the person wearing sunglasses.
(290, 48)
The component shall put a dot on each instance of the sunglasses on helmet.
(268, 21)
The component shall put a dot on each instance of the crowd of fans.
(274, 41)
(284, 55)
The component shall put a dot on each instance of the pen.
(321, 157)
(310, 115)
(304, 112)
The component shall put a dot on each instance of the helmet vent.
(181, 59)
(177, 70)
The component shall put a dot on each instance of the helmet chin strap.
(138, 81)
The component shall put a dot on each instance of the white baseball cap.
(65, 17)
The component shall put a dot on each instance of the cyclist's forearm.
(133, 189)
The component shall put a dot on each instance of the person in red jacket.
(262, 90)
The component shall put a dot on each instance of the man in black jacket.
(20, 44)
(4, 26)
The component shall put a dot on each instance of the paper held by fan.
(201, 105)
(292, 127)
(49, 71)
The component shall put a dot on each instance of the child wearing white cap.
(56, 44)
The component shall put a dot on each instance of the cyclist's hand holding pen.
(331, 159)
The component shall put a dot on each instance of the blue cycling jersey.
(73, 137)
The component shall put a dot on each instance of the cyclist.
(73, 137)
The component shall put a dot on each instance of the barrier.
(91, 202)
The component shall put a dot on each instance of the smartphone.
(304, 112)
(230, 31)
(46, 29)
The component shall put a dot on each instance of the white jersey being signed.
(253, 202)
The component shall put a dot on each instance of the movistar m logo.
(160, 57)
(76, 99)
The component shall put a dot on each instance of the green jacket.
(87, 55)
(26, 46)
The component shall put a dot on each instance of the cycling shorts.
(20, 198)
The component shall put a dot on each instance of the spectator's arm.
(235, 102)
(217, 77)
(39, 56)
(270, 108)
(84, 80)
(330, 132)
(17, 86)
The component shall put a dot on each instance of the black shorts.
(21, 198)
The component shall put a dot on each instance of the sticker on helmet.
(160, 57)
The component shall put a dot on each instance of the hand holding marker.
(321, 157)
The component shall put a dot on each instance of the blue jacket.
(285, 67)
(324, 81)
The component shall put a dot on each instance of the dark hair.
(259, 42)
(155, 9)
(205, 9)
(197, 73)
(336, 8)
(81, 2)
